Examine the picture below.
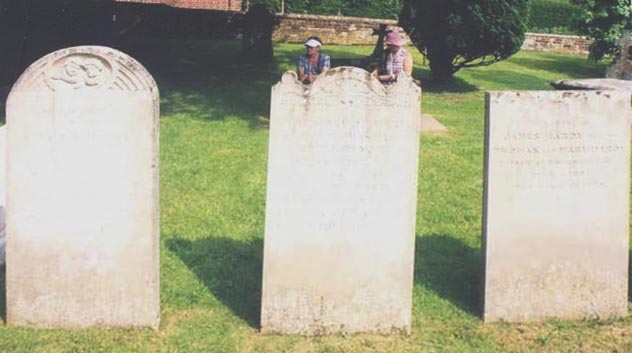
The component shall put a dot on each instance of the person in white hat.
(313, 62)
(396, 59)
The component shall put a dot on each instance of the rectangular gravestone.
(3, 199)
(556, 205)
(341, 205)
(82, 190)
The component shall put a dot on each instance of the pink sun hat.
(393, 38)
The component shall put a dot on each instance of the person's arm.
(386, 77)
(301, 70)
(302, 75)
(326, 64)
(408, 64)
(378, 68)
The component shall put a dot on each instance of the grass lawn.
(213, 176)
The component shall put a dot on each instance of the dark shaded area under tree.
(30, 29)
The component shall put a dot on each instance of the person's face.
(393, 48)
(311, 50)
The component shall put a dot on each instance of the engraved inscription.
(341, 194)
(556, 205)
(569, 157)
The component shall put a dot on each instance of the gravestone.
(82, 192)
(556, 205)
(3, 202)
(341, 204)
(599, 84)
(622, 68)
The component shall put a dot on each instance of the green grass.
(213, 170)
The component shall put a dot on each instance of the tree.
(454, 34)
(604, 21)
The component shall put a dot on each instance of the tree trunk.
(441, 68)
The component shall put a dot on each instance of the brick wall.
(554, 43)
(232, 5)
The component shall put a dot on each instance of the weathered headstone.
(622, 68)
(556, 211)
(82, 192)
(3, 202)
(341, 205)
(599, 84)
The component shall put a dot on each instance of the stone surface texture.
(341, 205)
(342, 30)
(622, 68)
(556, 205)
(556, 43)
(594, 84)
(333, 30)
(3, 199)
(82, 192)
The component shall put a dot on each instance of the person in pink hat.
(396, 59)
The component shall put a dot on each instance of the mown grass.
(215, 111)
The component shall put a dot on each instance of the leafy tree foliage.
(454, 34)
(604, 20)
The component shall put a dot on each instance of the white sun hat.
(313, 43)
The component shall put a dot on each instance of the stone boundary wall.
(555, 43)
(295, 28)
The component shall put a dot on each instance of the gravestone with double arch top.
(82, 190)
(341, 204)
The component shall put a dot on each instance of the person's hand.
(390, 77)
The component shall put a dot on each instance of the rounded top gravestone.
(86, 67)
(82, 192)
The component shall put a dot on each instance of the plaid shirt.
(323, 63)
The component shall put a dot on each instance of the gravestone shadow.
(231, 270)
(450, 268)
(578, 68)
(501, 79)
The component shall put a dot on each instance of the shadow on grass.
(572, 66)
(3, 293)
(229, 268)
(630, 276)
(208, 80)
(508, 79)
(450, 268)
(455, 85)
